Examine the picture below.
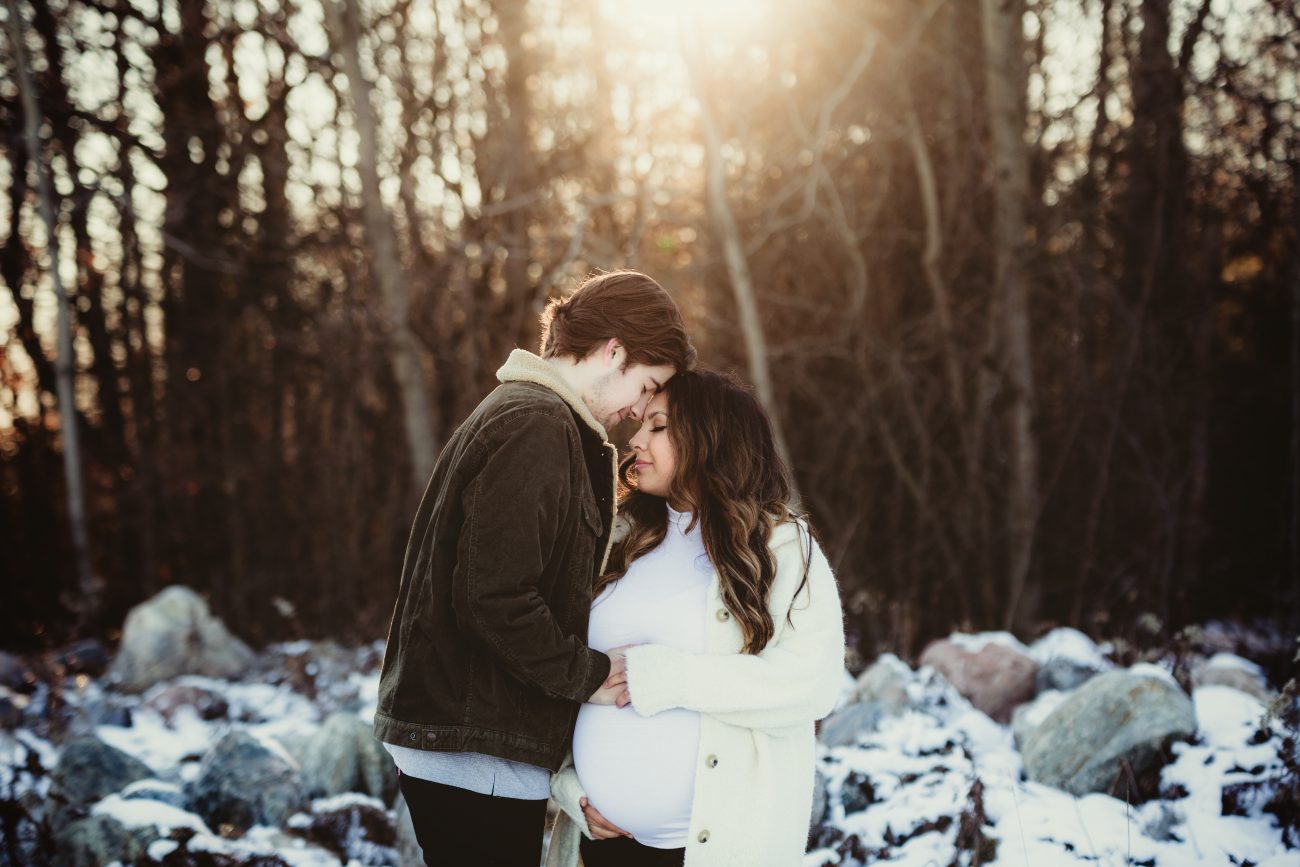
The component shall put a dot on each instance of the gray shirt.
(475, 772)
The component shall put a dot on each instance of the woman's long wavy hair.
(730, 477)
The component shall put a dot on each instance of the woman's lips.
(640, 465)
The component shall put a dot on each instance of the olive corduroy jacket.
(487, 648)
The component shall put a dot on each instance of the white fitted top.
(639, 772)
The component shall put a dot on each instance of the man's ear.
(610, 352)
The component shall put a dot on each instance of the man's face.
(623, 392)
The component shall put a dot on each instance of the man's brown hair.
(626, 305)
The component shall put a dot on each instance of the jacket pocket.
(592, 517)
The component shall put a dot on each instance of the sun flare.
(667, 18)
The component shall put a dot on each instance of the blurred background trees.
(1018, 280)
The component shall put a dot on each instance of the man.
(487, 659)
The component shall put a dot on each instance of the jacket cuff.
(597, 671)
(654, 680)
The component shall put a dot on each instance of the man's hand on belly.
(614, 690)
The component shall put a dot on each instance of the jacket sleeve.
(514, 509)
(792, 681)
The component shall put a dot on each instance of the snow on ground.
(143, 812)
(898, 795)
(174, 747)
(908, 783)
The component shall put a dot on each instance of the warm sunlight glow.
(668, 19)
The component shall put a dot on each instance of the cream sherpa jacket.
(754, 777)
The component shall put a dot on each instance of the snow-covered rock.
(843, 727)
(344, 756)
(884, 684)
(13, 673)
(90, 769)
(11, 709)
(887, 689)
(86, 657)
(98, 840)
(992, 670)
(900, 795)
(155, 790)
(246, 781)
(356, 827)
(1113, 717)
(1067, 659)
(167, 699)
(175, 633)
(1227, 669)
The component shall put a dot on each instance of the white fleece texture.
(754, 778)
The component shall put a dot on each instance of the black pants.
(626, 852)
(457, 827)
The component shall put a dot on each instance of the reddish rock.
(994, 677)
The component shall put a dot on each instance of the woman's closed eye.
(658, 429)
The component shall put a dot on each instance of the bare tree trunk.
(385, 255)
(1293, 527)
(733, 250)
(1006, 78)
(87, 599)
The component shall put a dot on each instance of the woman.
(737, 647)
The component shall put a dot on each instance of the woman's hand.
(601, 828)
(618, 674)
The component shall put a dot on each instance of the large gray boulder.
(244, 782)
(1114, 716)
(175, 633)
(1028, 716)
(89, 769)
(992, 671)
(841, 729)
(344, 756)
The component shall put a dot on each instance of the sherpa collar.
(523, 366)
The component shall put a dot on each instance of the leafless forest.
(1019, 281)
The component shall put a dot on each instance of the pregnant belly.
(639, 772)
